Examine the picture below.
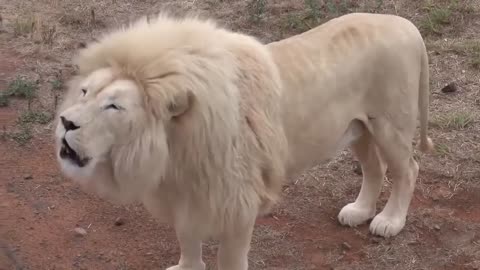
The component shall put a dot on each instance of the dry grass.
(18, 88)
(32, 117)
(256, 9)
(22, 88)
(21, 136)
(23, 26)
(4, 100)
(455, 121)
(85, 18)
(48, 33)
(436, 18)
(442, 149)
(445, 15)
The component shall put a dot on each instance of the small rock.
(346, 245)
(450, 88)
(28, 177)
(119, 221)
(436, 227)
(80, 231)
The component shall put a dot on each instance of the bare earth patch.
(46, 222)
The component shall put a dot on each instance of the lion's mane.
(225, 157)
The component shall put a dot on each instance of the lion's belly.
(319, 143)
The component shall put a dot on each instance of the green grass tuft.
(256, 10)
(35, 118)
(57, 84)
(21, 88)
(4, 100)
(455, 121)
(436, 18)
(23, 136)
(23, 26)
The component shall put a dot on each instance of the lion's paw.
(352, 215)
(386, 226)
(197, 267)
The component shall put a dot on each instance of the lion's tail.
(426, 144)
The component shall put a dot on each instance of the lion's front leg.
(190, 252)
(233, 250)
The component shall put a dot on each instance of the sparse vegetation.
(470, 48)
(436, 18)
(313, 9)
(31, 117)
(23, 136)
(24, 133)
(474, 51)
(85, 18)
(23, 26)
(57, 84)
(256, 9)
(48, 33)
(21, 88)
(4, 101)
(335, 8)
(442, 149)
(455, 121)
(295, 22)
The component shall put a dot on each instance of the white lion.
(203, 125)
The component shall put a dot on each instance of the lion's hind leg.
(373, 170)
(395, 143)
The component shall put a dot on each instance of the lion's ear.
(180, 104)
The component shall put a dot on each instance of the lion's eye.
(111, 106)
(84, 91)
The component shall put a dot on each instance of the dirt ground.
(40, 210)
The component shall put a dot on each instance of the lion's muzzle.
(68, 125)
(66, 151)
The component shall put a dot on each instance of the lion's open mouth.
(66, 152)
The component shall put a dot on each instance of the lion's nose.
(69, 125)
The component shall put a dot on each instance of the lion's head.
(105, 116)
(141, 94)
(104, 112)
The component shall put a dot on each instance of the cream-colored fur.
(203, 125)
(364, 78)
